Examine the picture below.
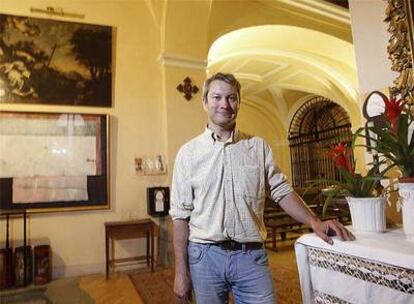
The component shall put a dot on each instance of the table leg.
(274, 239)
(152, 247)
(24, 251)
(157, 233)
(8, 257)
(7, 232)
(106, 255)
(148, 248)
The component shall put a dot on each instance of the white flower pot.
(367, 214)
(406, 193)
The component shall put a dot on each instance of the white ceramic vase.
(367, 214)
(406, 193)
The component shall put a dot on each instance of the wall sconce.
(373, 109)
(187, 88)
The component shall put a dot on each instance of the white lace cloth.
(376, 268)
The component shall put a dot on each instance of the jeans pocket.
(195, 253)
(259, 257)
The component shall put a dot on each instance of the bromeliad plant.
(395, 140)
(352, 184)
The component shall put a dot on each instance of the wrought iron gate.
(316, 125)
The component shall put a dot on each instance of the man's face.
(222, 104)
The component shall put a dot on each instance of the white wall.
(370, 38)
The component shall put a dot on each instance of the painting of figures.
(55, 62)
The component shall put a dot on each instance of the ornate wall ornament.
(399, 16)
(187, 88)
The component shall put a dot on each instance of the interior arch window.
(316, 126)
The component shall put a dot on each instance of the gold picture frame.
(54, 161)
(55, 62)
(400, 19)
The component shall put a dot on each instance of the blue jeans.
(215, 272)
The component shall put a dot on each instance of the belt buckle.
(228, 245)
(232, 245)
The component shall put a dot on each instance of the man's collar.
(214, 137)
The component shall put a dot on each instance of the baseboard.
(77, 270)
(88, 269)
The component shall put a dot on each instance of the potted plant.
(362, 193)
(394, 141)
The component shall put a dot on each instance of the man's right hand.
(182, 286)
(182, 281)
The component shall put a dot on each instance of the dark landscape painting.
(55, 62)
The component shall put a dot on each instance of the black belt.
(233, 245)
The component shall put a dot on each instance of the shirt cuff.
(282, 191)
(180, 214)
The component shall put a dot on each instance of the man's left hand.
(326, 229)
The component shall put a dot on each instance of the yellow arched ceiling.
(283, 51)
(299, 54)
(272, 61)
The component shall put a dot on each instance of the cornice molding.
(325, 9)
(182, 62)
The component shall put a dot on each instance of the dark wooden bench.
(285, 225)
(279, 223)
(281, 227)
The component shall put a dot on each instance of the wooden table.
(124, 230)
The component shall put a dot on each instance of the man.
(220, 182)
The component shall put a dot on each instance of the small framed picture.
(150, 165)
(139, 165)
(158, 201)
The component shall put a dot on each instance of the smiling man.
(220, 182)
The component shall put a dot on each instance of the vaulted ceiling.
(280, 66)
(285, 52)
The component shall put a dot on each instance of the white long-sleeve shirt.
(222, 186)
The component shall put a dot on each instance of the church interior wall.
(157, 44)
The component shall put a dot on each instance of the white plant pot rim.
(368, 214)
(379, 198)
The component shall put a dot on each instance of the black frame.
(97, 185)
(151, 201)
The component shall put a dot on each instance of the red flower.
(393, 108)
(341, 157)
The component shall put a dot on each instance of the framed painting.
(158, 201)
(54, 161)
(55, 62)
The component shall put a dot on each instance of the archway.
(316, 125)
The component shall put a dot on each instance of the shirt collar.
(209, 134)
